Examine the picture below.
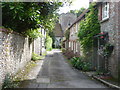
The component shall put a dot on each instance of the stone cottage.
(108, 15)
(66, 19)
(72, 44)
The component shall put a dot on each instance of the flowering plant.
(102, 35)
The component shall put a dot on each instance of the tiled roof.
(58, 30)
(80, 17)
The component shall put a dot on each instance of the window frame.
(105, 10)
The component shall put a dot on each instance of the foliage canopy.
(77, 12)
(23, 16)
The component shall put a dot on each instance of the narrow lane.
(57, 73)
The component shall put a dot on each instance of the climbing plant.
(67, 34)
(89, 28)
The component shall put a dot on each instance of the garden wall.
(15, 52)
(37, 46)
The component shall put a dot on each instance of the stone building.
(73, 44)
(108, 15)
(66, 19)
(58, 35)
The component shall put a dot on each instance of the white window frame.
(72, 45)
(105, 11)
(69, 44)
(76, 47)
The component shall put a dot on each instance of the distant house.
(73, 44)
(58, 35)
(66, 19)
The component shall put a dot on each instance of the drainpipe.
(98, 63)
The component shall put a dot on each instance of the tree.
(48, 43)
(23, 16)
(77, 12)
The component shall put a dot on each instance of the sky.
(76, 4)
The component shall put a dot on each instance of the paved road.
(57, 73)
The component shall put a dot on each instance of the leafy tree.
(77, 12)
(23, 16)
(48, 43)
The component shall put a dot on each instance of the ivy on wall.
(89, 28)
(67, 34)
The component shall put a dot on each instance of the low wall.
(15, 52)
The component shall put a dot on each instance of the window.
(76, 48)
(72, 45)
(69, 43)
(105, 11)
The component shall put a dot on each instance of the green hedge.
(36, 57)
(48, 43)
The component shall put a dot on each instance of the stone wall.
(39, 43)
(111, 26)
(119, 42)
(15, 52)
(37, 46)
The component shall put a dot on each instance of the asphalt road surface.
(57, 73)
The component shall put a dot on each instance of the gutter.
(106, 83)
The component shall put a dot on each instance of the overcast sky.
(77, 4)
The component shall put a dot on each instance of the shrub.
(79, 63)
(74, 61)
(63, 50)
(48, 43)
(86, 66)
(36, 57)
